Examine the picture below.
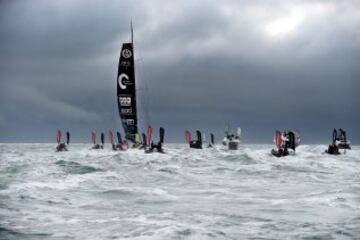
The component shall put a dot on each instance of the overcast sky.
(260, 65)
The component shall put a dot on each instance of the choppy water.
(183, 194)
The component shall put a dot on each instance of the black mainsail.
(126, 91)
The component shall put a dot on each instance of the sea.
(184, 193)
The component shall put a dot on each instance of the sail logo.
(120, 80)
(126, 53)
(130, 121)
(125, 101)
(126, 111)
(125, 63)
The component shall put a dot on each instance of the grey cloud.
(205, 62)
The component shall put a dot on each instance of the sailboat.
(284, 142)
(95, 144)
(194, 143)
(62, 146)
(126, 91)
(126, 94)
(339, 141)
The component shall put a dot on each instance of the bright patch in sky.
(284, 26)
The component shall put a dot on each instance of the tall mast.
(132, 34)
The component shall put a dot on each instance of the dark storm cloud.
(258, 64)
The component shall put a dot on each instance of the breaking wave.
(183, 194)
(71, 167)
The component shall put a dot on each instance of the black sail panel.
(292, 144)
(119, 137)
(162, 134)
(334, 136)
(212, 139)
(126, 91)
(143, 138)
(199, 137)
(102, 137)
(67, 138)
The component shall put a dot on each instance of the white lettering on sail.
(125, 101)
(126, 111)
(130, 121)
(125, 63)
(120, 80)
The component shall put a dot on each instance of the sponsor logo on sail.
(125, 101)
(126, 111)
(125, 63)
(126, 53)
(130, 121)
(122, 77)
